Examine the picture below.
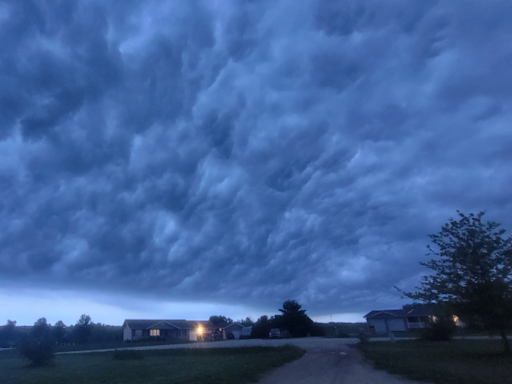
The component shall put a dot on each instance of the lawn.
(454, 362)
(114, 345)
(219, 365)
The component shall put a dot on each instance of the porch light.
(200, 330)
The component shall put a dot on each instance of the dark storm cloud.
(247, 152)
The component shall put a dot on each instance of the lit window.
(154, 332)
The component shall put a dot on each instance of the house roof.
(167, 324)
(386, 313)
(230, 325)
(422, 310)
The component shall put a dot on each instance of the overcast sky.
(180, 159)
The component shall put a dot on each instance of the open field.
(233, 365)
(115, 345)
(457, 361)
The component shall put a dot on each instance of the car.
(275, 333)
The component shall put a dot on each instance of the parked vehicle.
(275, 333)
(246, 333)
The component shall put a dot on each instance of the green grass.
(114, 345)
(454, 362)
(219, 365)
(342, 330)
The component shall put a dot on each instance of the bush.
(39, 352)
(363, 336)
(440, 330)
(127, 355)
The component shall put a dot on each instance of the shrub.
(363, 336)
(127, 355)
(39, 352)
(440, 330)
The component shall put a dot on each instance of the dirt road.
(330, 364)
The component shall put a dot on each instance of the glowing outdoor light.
(200, 330)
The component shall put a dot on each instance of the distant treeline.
(292, 322)
(83, 332)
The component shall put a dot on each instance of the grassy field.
(114, 345)
(222, 365)
(343, 329)
(457, 361)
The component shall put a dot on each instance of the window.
(154, 332)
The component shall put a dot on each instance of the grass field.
(222, 365)
(457, 361)
(343, 329)
(114, 345)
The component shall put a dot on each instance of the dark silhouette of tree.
(294, 319)
(38, 347)
(220, 321)
(82, 329)
(472, 273)
(59, 331)
(247, 322)
(9, 335)
(41, 330)
(262, 327)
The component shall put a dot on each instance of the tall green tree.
(472, 273)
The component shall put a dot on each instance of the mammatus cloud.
(247, 152)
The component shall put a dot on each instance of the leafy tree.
(294, 319)
(59, 331)
(247, 322)
(220, 321)
(39, 346)
(262, 327)
(41, 329)
(82, 329)
(472, 273)
(9, 335)
(39, 352)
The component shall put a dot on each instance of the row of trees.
(84, 331)
(222, 321)
(292, 319)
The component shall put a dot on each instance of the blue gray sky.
(182, 159)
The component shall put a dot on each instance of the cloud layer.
(247, 152)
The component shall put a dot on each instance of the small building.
(398, 320)
(246, 332)
(233, 331)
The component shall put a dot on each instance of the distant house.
(168, 329)
(246, 332)
(185, 330)
(233, 331)
(398, 320)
